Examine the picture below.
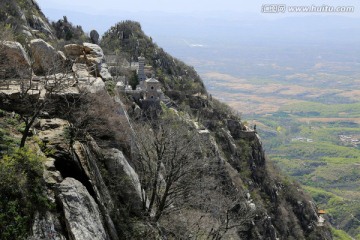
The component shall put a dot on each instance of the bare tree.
(220, 215)
(96, 114)
(216, 208)
(232, 216)
(39, 97)
(169, 158)
(35, 94)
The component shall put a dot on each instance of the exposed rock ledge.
(82, 215)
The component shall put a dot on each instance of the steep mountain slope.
(241, 148)
(26, 19)
(96, 166)
(127, 40)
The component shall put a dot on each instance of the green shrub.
(110, 87)
(340, 235)
(67, 31)
(12, 121)
(21, 192)
(134, 80)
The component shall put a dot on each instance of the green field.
(307, 112)
(314, 153)
(316, 109)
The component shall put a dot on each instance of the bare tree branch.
(168, 156)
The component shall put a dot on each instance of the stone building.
(152, 89)
(148, 90)
(141, 70)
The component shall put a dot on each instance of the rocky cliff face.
(26, 18)
(97, 183)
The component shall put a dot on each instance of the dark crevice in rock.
(71, 168)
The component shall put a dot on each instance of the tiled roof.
(152, 80)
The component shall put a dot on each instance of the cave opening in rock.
(70, 167)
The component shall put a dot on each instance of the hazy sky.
(92, 6)
(151, 5)
(156, 16)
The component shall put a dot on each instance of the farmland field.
(309, 121)
(302, 90)
(310, 132)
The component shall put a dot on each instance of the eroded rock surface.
(82, 215)
(119, 166)
(14, 60)
(46, 227)
(39, 24)
(95, 57)
(88, 59)
(46, 59)
(73, 51)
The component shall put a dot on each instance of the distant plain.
(302, 90)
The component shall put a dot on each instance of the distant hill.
(127, 37)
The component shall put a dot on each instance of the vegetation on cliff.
(187, 169)
(21, 182)
(126, 39)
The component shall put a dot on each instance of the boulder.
(52, 177)
(90, 54)
(46, 59)
(97, 85)
(94, 36)
(81, 71)
(73, 51)
(14, 60)
(94, 50)
(248, 135)
(104, 72)
(86, 80)
(50, 174)
(93, 85)
(50, 164)
(95, 58)
(119, 167)
(82, 215)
